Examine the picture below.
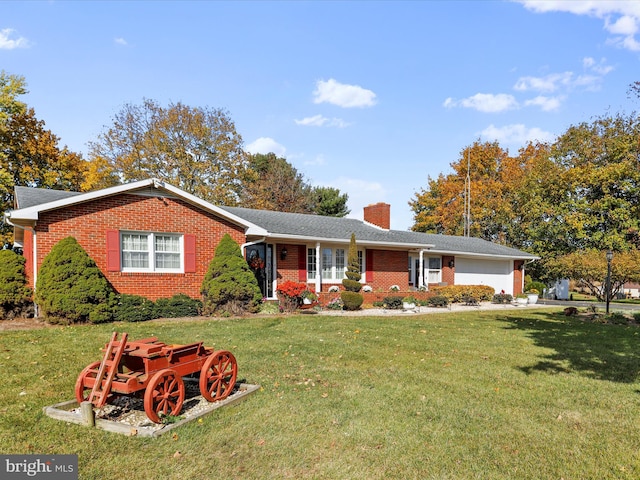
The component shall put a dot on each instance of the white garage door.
(496, 274)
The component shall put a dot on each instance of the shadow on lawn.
(604, 352)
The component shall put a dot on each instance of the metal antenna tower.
(467, 199)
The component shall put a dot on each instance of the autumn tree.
(275, 185)
(197, 149)
(31, 157)
(11, 86)
(589, 267)
(493, 176)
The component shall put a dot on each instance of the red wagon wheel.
(164, 395)
(218, 375)
(82, 391)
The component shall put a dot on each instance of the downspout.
(35, 257)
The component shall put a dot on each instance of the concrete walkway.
(454, 307)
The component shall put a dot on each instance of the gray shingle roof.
(340, 229)
(26, 197)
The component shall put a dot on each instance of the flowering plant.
(367, 288)
(291, 289)
(394, 288)
(334, 289)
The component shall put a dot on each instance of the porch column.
(421, 272)
(318, 268)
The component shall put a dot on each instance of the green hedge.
(459, 293)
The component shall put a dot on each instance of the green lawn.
(487, 395)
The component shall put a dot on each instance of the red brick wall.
(448, 273)
(89, 222)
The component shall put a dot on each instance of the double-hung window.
(435, 270)
(333, 263)
(151, 252)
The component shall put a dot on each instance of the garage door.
(496, 274)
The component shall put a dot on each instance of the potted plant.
(532, 295)
(409, 303)
(308, 297)
(522, 299)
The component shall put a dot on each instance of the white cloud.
(485, 102)
(621, 18)
(548, 83)
(342, 95)
(319, 161)
(322, 121)
(8, 43)
(546, 104)
(601, 68)
(120, 41)
(516, 134)
(266, 145)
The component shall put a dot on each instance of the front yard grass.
(487, 395)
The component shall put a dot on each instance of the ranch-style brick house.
(152, 239)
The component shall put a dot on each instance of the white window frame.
(151, 252)
(436, 271)
(332, 273)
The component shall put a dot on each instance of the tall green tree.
(197, 149)
(329, 202)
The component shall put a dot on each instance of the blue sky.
(368, 97)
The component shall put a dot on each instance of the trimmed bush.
(352, 283)
(15, 296)
(71, 288)
(134, 308)
(438, 301)
(351, 300)
(393, 302)
(178, 306)
(229, 286)
(539, 286)
(502, 298)
(457, 293)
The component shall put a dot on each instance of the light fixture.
(451, 263)
(283, 253)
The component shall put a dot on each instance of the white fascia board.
(364, 243)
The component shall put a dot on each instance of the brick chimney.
(378, 214)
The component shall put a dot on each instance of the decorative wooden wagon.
(154, 370)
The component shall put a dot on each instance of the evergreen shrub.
(352, 283)
(134, 308)
(71, 288)
(178, 306)
(15, 295)
(438, 301)
(393, 302)
(351, 300)
(229, 286)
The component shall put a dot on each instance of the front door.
(260, 260)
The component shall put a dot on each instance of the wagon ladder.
(107, 371)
